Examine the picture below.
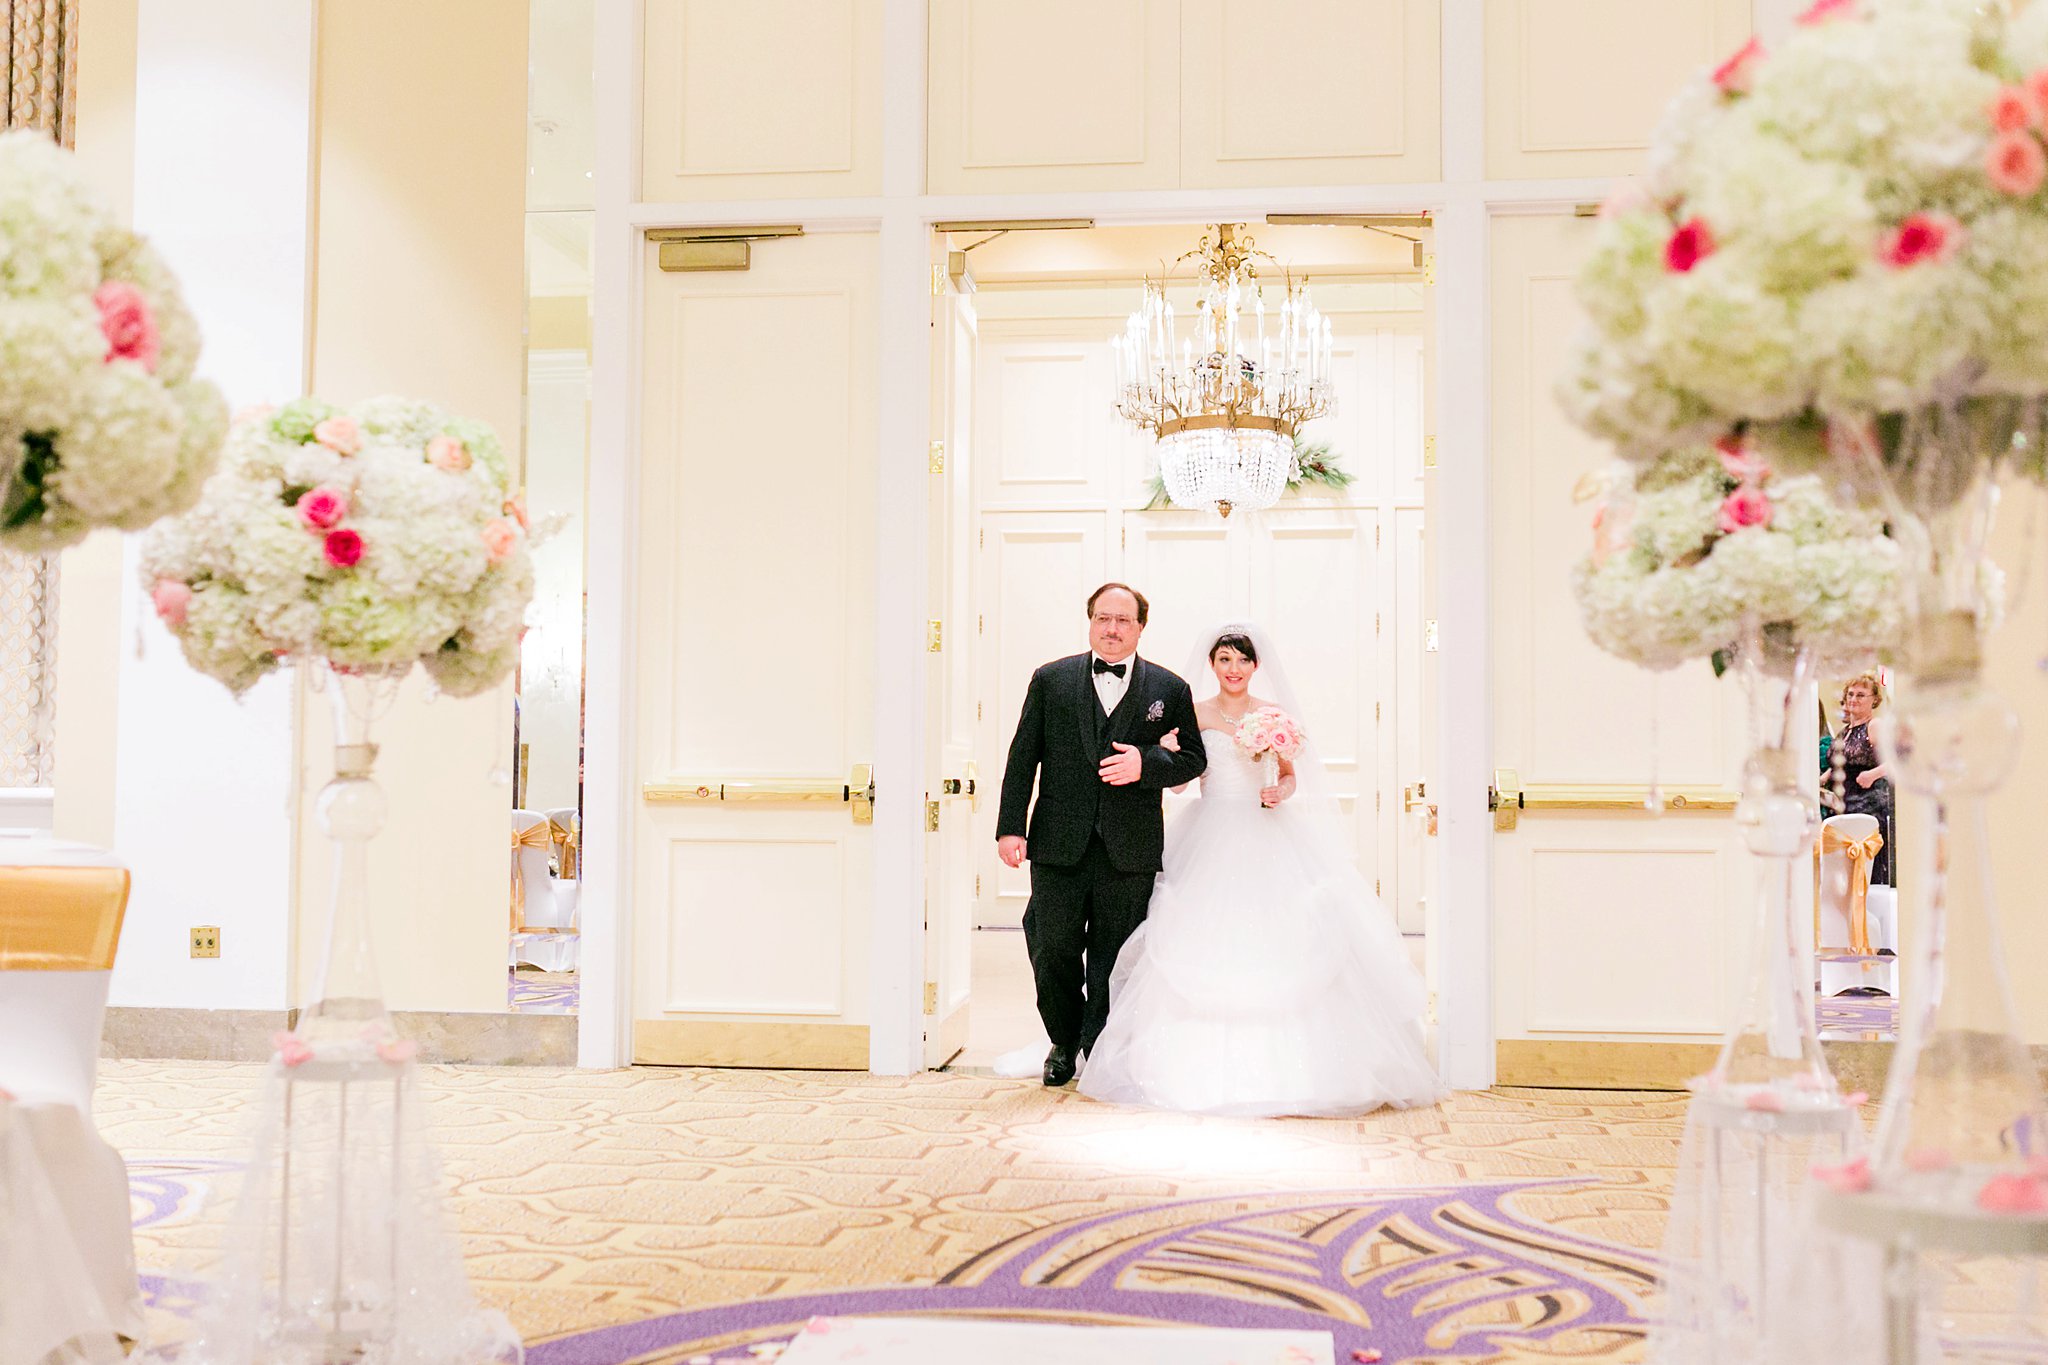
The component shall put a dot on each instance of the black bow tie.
(1101, 667)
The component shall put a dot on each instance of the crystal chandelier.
(1223, 393)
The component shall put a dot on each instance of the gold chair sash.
(61, 919)
(564, 835)
(533, 836)
(1861, 853)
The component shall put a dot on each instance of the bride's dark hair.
(1232, 640)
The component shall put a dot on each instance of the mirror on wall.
(548, 724)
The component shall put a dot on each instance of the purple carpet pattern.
(1442, 1274)
(1857, 1014)
(531, 994)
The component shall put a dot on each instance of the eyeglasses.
(1116, 620)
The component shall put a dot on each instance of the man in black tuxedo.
(1090, 736)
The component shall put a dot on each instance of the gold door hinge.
(1429, 637)
(1375, 537)
(934, 636)
(1123, 537)
(1375, 713)
(938, 457)
(931, 817)
(982, 538)
(980, 625)
(1375, 886)
(938, 279)
(977, 886)
(977, 710)
(1375, 623)
(931, 997)
(1429, 268)
(1429, 452)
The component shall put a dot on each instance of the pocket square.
(1156, 711)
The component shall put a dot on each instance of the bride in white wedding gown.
(1267, 978)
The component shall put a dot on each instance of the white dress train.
(1267, 978)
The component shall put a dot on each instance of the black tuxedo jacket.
(1062, 738)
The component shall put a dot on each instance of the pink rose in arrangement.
(515, 508)
(2015, 164)
(170, 598)
(1626, 197)
(322, 508)
(1824, 10)
(1736, 75)
(344, 549)
(1851, 1177)
(255, 412)
(2037, 88)
(499, 539)
(292, 1050)
(1746, 506)
(340, 435)
(1691, 242)
(127, 323)
(2013, 1194)
(1921, 238)
(2013, 109)
(445, 452)
(1742, 464)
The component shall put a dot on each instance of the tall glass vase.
(1935, 1247)
(348, 1002)
(1769, 1109)
(338, 1250)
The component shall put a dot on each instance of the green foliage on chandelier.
(1313, 464)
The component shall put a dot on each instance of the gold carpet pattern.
(587, 1200)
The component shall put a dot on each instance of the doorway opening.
(1047, 493)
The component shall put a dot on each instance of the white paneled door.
(1611, 925)
(755, 608)
(1059, 489)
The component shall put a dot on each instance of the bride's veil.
(1314, 794)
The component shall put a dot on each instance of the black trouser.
(1074, 927)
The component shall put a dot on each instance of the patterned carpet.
(655, 1217)
(536, 992)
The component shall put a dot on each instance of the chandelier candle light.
(1225, 393)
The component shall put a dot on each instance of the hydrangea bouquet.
(1701, 543)
(102, 422)
(1850, 228)
(371, 537)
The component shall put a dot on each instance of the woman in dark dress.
(1859, 784)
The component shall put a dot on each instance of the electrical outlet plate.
(206, 940)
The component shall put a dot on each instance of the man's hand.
(1010, 848)
(1124, 767)
(1866, 778)
(1170, 741)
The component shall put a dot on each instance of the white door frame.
(1462, 202)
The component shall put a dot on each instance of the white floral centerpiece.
(102, 421)
(370, 537)
(1848, 229)
(1702, 542)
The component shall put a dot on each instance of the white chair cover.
(549, 938)
(1835, 899)
(67, 1253)
(569, 818)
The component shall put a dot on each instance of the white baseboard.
(27, 807)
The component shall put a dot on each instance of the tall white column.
(204, 784)
(1459, 537)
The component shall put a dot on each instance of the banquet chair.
(68, 1290)
(565, 826)
(544, 927)
(1849, 844)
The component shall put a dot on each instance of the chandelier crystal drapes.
(1225, 390)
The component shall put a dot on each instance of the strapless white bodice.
(1232, 773)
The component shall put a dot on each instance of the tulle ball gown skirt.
(1266, 980)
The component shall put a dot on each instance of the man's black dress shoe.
(1059, 1066)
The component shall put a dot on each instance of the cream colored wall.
(90, 579)
(420, 240)
(2014, 669)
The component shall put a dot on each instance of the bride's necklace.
(1234, 720)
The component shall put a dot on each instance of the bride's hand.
(1278, 792)
(1170, 741)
